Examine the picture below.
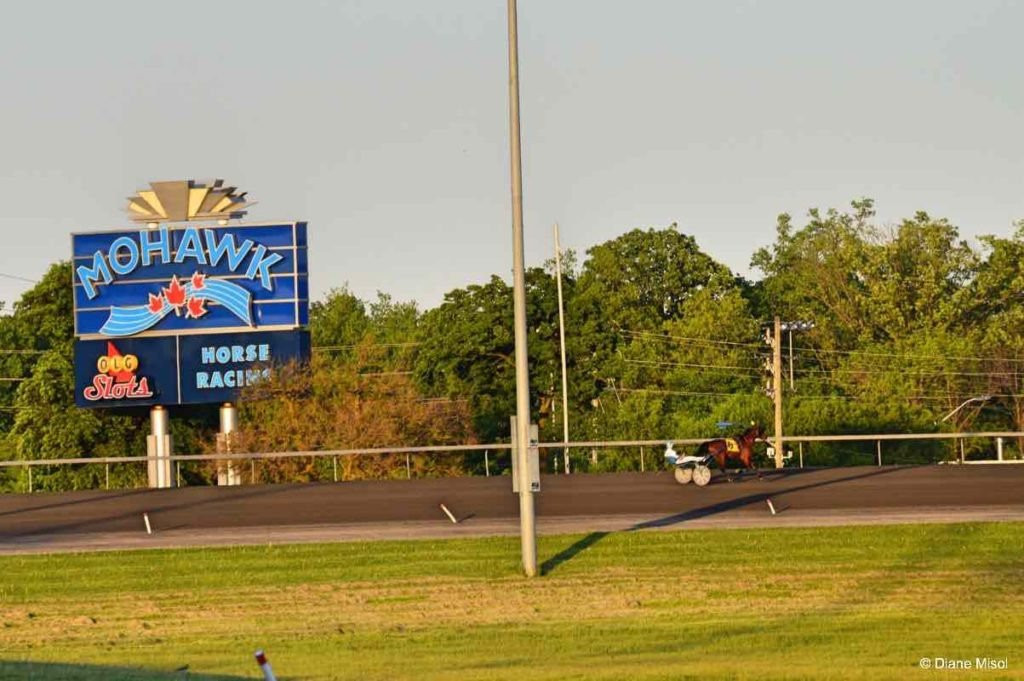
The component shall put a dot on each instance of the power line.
(694, 366)
(649, 334)
(909, 355)
(676, 392)
(330, 348)
(15, 276)
(909, 370)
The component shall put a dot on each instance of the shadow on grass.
(589, 540)
(44, 671)
(571, 552)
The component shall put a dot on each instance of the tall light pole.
(561, 343)
(791, 327)
(777, 389)
(527, 524)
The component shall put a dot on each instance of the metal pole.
(159, 448)
(801, 446)
(561, 343)
(335, 468)
(791, 359)
(878, 444)
(777, 389)
(487, 464)
(527, 523)
(408, 468)
(230, 474)
(999, 449)
(106, 485)
(30, 479)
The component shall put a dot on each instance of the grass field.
(858, 602)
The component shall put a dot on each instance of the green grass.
(856, 602)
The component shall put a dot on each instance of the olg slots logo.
(116, 378)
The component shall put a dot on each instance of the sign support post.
(159, 449)
(227, 471)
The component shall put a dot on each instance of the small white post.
(408, 468)
(149, 528)
(335, 459)
(641, 459)
(999, 449)
(449, 514)
(487, 464)
(261, 660)
(878, 444)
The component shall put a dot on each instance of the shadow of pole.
(589, 540)
(571, 552)
(43, 671)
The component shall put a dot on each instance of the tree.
(467, 351)
(339, 405)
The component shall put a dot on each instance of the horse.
(742, 450)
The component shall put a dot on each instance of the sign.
(165, 281)
(186, 369)
(184, 313)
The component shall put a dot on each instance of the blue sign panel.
(126, 372)
(188, 279)
(215, 367)
(180, 369)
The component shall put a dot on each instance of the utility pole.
(561, 342)
(777, 389)
(527, 523)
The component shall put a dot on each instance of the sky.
(384, 124)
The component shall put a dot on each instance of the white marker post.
(149, 529)
(449, 514)
(771, 507)
(261, 660)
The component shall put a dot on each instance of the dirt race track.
(410, 508)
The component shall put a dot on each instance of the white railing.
(334, 454)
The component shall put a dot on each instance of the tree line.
(907, 322)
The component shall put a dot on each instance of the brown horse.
(742, 450)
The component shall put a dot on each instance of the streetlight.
(791, 327)
(527, 523)
(980, 398)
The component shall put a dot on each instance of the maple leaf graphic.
(198, 281)
(122, 376)
(196, 309)
(175, 293)
(156, 303)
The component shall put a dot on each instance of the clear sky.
(385, 125)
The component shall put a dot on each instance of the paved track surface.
(577, 503)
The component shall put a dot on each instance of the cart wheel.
(683, 475)
(701, 475)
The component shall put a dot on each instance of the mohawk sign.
(166, 282)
